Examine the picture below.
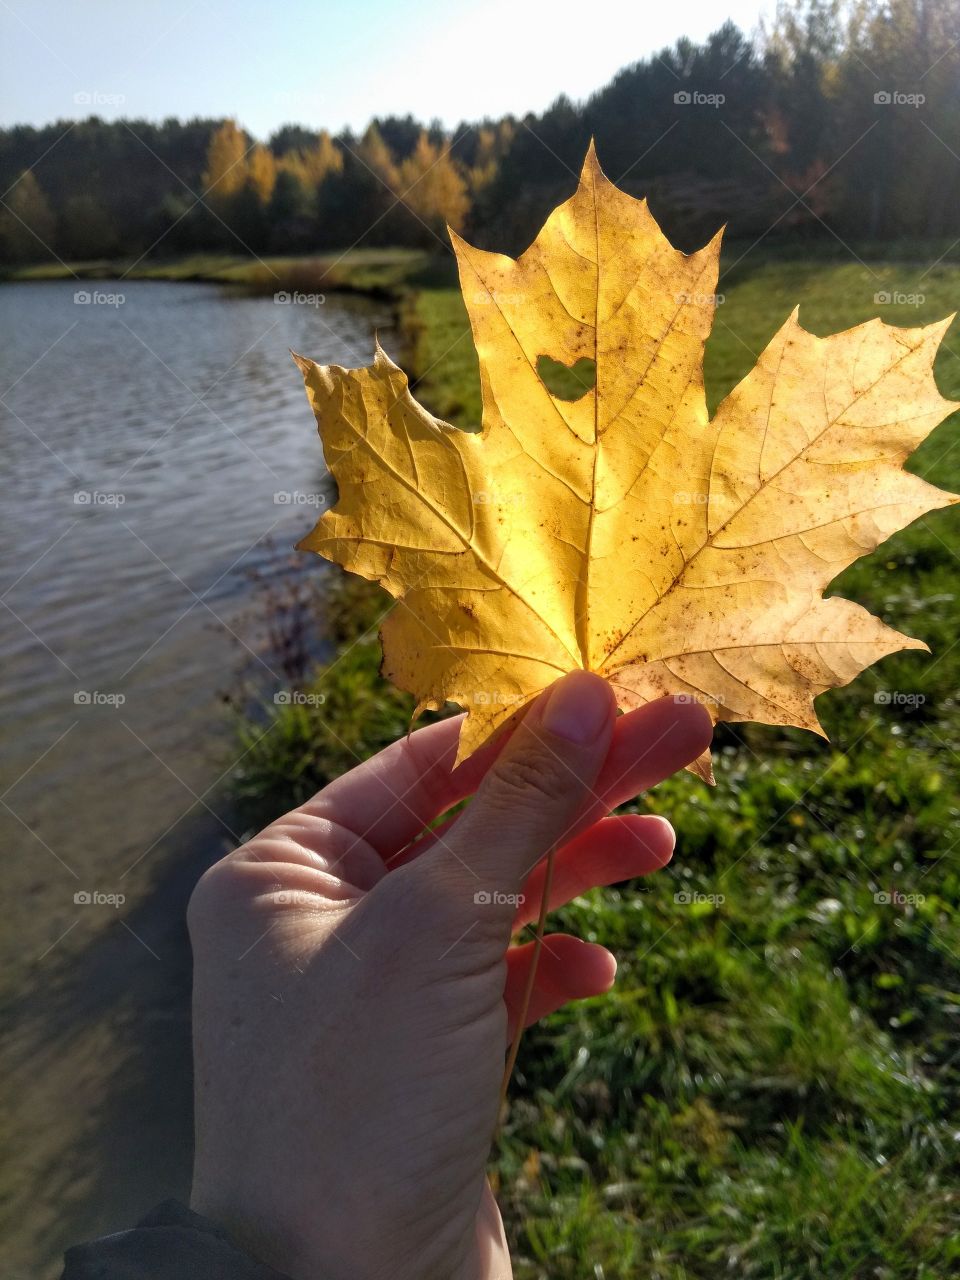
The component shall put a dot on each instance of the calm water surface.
(144, 447)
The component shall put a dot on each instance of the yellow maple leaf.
(626, 532)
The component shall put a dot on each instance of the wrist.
(258, 1234)
(310, 1250)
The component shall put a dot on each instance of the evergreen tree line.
(838, 119)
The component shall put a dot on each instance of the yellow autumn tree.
(376, 155)
(432, 185)
(492, 143)
(226, 170)
(310, 165)
(262, 172)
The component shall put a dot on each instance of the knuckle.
(529, 778)
(217, 884)
(198, 905)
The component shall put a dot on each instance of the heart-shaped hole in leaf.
(565, 382)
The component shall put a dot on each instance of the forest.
(833, 122)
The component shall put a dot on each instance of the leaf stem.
(531, 978)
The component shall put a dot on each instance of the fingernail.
(578, 707)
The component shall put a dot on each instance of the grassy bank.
(380, 271)
(771, 1090)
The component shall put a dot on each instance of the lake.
(158, 449)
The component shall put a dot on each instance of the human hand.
(354, 992)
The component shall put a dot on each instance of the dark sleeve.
(171, 1243)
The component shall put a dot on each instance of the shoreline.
(378, 273)
(386, 272)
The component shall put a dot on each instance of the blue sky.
(325, 64)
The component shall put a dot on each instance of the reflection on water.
(150, 450)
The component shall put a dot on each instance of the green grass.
(772, 1089)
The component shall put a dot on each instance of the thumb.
(532, 794)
